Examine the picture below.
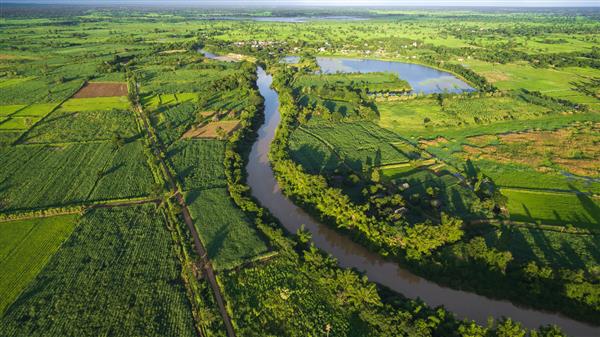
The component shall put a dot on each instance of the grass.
(95, 104)
(198, 163)
(62, 126)
(155, 101)
(25, 248)
(426, 115)
(228, 235)
(6, 110)
(553, 82)
(36, 110)
(553, 208)
(555, 249)
(361, 144)
(36, 176)
(18, 123)
(117, 274)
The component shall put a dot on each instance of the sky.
(316, 3)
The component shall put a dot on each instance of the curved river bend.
(351, 255)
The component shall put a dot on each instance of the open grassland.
(573, 149)
(116, 274)
(198, 163)
(429, 114)
(552, 82)
(35, 176)
(228, 235)
(25, 248)
(63, 126)
(371, 82)
(553, 208)
(550, 248)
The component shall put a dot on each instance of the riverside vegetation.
(462, 188)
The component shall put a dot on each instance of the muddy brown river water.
(351, 255)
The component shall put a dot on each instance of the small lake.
(421, 78)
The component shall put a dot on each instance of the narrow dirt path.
(207, 268)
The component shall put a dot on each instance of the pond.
(421, 78)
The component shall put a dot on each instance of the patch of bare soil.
(102, 89)
(433, 142)
(219, 129)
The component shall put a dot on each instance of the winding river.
(351, 255)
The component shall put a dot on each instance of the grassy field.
(427, 115)
(62, 126)
(198, 163)
(361, 145)
(555, 249)
(25, 248)
(228, 235)
(116, 274)
(553, 82)
(553, 208)
(96, 104)
(41, 175)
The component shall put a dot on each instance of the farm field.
(141, 193)
(121, 255)
(72, 173)
(553, 208)
(229, 236)
(198, 163)
(25, 248)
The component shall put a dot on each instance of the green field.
(25, 248)
(116, 274)
(42, 175)
(62, 126)
(551, 248)
(553, 208)
(228, 235)
(198, 163)
(427, 115)
(95, 104)
(361, 145)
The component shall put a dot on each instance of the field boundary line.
(534, 190)
(22, 136)
(207, 268)
(525, 224)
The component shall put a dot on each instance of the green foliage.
(120, 255)
(25, 248)
(198, 163)
(63, 126)
(41, 175)
(228, 235)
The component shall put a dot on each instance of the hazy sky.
(507, 3)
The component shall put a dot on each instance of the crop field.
(198, 163)
(553, 82)
(25, 248)
(102, 89)
(62, 126)
(70, 174)
(7, 110)
(361, 145)
(96, 104)
(117, 273)
(427, 115)
(158, 100)
(173, 121)
(229, 236)
(212, 130)
(552, 248)
(35, 110)
(553, 208)
(372, 82)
